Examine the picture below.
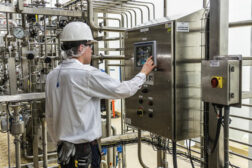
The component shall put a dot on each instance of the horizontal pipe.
(92, 24)
(240, 23)
(124, 137)
(111, 49)
(51, 12)
(244, 157)
(109, 18)
(40, 163)
(116, 65)
(109, 57)
(247, 58)
(247, 105)
(40, 156)
(108, 39)
(242, 143)
(242, 130)
(245, 118)
(186, 148)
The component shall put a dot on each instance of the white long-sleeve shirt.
(73, 93)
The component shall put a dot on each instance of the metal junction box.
(221, 82)
(169, 103)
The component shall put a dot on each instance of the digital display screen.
(142, 54)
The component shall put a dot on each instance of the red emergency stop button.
(217, 82)
(214, 82)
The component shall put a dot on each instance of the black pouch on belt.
(83, 156)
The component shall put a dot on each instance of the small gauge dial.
(18, 32)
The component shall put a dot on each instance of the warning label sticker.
(214, 63)
(182, 27)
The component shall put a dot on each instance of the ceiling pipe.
(92, 24)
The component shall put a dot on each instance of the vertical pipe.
(45, 36)
(16, 123)
(174, 153)
(8, 134)
(250, 100)
(159, 158)
(131, 19)
(122, 100)
(218, 45)
(206, 124)
(140, 150)
(165, 161)
(226, 136)
(165, 8)
(204, 4)
(35, 134)
(44, 136)
(114, 148)
(17, 151)
(108, 113)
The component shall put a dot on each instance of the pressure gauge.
(18, 32)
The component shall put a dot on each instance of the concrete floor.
(149, 155)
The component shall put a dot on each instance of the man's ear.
(81, 47)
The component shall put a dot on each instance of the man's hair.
(71, 47)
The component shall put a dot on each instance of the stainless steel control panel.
(221, 81)
(169, 102)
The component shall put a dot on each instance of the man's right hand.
(148, 66)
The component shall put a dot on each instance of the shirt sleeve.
(103, 86)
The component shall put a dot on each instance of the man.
(73, 93)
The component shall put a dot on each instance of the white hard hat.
(77, 31)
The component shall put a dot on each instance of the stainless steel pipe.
(140, 150)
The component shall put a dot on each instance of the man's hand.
(148, 66)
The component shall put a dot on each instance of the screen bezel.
(140, 44)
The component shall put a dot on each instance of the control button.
(151, 115)
(217, 82)
(145, 90)
(150, 103)
(140, 112)
(214, 82)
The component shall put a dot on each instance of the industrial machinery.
(182, 99)
(169, 103)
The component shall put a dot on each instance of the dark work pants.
(86, 154)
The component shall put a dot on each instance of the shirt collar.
(72, 61)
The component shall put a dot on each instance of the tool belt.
(75, 155)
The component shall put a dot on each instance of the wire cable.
(218, 128)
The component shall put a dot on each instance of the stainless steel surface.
(139, 149)
(35, 136)
(165, 8)
(176, 114)
(52, 12)
(230, 93)
(218, 45)
(22, 97)
(240, 23)
(12, 75)
(7, 8)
